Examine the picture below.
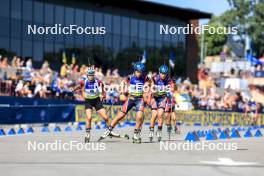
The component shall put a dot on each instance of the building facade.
(129, 32)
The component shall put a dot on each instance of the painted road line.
(229, 162)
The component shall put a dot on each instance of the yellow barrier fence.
(195, 117)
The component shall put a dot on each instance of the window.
(117, 24)
(157, 29)
(4, 27)
(49, 38)
(37, 51)
(125, 26)
(142, 29)
(125, 42)
(59, 19)
(38, 12)
(59, 12)
(16, 28)
(79, 19)
(89, 18)
(69, 16)
(166, 37)
(15, 9)
(98, 19)
(49, 14)
(134, 27)
(116, 43)
(27, 10)
(4, 43)
(16, 46)
(142, 43)
(4, 8)
(25, 34)
(27, 48)
(151, 30)
(69, 20)
(48, 48)
(108, 41)
(108, 23)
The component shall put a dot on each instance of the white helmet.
(90, 71)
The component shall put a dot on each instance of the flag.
(73, 61)
(172, 59)
(144, 57)
(247, 44)
(252, 59)
(64, 58)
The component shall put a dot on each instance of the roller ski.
(111, 134)
(151, 134)
(104, 135)
(136, 137)
(116, 135)
(159, 134)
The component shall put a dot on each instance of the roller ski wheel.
(86, 139)
(100, 139)
(126, 136)
(151, 135)
(136, 141)
(159, 135)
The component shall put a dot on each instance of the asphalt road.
(115, 157)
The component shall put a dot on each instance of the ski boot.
(177, 130)
(136, 137)
(159, 133)
(105, 134)
(169, 129)
(151, 134)
(87, 137)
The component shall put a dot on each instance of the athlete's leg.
(173, 118)
(118, 118)
(154, 113)
(168, 118)
(88, 124)
(139, 119)
(102, 114)
(136, 137)
(88, 119)
(168, 121)
(124, 110)
(160, 123)
(160, 117)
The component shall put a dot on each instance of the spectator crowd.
(18, 77)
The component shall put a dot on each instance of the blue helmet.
(163, 69)
(138, 66)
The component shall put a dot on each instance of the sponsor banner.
(186, 117)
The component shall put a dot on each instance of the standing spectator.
(63, 70)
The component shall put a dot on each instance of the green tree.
(214, 42)
(256, 29)
(248, 16)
